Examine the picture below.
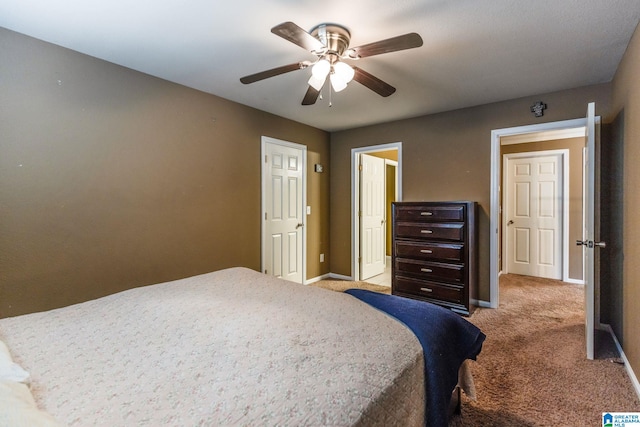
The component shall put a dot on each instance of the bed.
(232, 347)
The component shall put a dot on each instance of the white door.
(534, 214)
(283, 182)
(588, 243)
(372, 219)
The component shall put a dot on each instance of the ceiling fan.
(330, 43)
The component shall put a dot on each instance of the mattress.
(233, 347)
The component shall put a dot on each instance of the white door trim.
(564, 154)
(265, 140)
(355, 197)
(496, 168)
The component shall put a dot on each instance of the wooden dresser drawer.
(430, 213)
(426, 289)
(432, 231)
(451, 273)
(430, 251)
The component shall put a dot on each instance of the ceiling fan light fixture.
(343, 71)
(337, 83)
(316, 82)
(342, 74)
(320, 69)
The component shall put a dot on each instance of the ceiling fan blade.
(273, 72)
(296, 35)
(372, 82)
(407, 41)
(311, 96)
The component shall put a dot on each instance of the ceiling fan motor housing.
(335, 37)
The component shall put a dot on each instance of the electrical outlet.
(321, 257)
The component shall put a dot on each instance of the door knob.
(591, 243)
(510, 222)
(299, 225)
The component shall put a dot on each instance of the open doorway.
(589, 127)
(389, 157)
(526, 141)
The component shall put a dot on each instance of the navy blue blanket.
(446, 338)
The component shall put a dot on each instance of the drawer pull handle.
(426, 213)
(426, 270)
(426, 290)
(426, 231)
(426, 251)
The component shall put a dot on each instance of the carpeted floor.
(532, 370)
(343, 285)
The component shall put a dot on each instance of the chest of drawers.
(434, 256)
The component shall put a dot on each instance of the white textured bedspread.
(233, 347)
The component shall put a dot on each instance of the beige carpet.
(343, 285)
(532, 370)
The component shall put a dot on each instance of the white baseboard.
(339, 276)
(632, 375)
(574, 281)
(317, 279)
(480, 303)
(327, 276)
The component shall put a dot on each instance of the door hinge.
(265, 158)
(265, 216)
(360, 168)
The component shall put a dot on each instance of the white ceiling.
(475, 52)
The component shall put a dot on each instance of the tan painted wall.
(111, 179)
(575, 146)
(626, 101)
(446, 157)
(388, 154)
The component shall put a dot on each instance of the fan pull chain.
(330, 96)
